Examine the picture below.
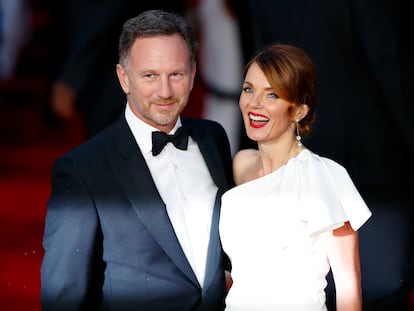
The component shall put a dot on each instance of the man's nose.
(165, 88)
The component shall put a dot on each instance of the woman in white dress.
(293, 214)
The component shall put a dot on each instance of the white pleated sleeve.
(327, 195)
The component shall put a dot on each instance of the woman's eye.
(247, 89)
(273, 96)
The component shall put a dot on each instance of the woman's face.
(266, 116)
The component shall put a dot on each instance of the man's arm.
(71, 270)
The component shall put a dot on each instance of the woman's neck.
(273, 156)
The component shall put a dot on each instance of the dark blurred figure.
(86, 85)
(14, 33)
(364, 62)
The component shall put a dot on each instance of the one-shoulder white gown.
(273, 230)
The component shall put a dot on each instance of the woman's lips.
(257, 120)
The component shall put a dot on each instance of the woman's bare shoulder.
(244, 163)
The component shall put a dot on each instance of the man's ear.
(193, 74)
(123, 78)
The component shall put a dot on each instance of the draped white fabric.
(273, 229)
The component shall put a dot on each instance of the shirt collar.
(142, 131)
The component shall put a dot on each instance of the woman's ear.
(301, 111)
(123, 78)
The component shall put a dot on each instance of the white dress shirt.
(186, 187)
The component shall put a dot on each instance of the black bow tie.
(160, 139)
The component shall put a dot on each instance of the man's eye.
(177, 75)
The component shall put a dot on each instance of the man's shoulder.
(95, 147)
(198, 121)
(202, 124)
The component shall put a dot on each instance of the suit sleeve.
(224, 148)
(71, 271)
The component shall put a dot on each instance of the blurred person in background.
(221, 65)
(14, 33)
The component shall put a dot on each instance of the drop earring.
(298, 138)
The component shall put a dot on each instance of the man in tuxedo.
(130, 224)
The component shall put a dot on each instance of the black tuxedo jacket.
(108, 240)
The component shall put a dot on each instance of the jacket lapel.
(209, 151)
(135, 178)
(214, 254)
